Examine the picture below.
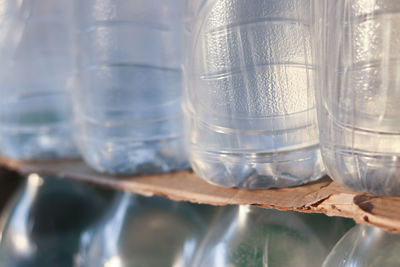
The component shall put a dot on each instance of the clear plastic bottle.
(252, 237)
(42, 225)
(36, 68)
(358, 105)
(128, 98)
(139, 231)
(365, 246)
(249, 98)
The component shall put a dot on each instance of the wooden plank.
(323, 196)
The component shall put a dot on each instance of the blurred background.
(51, 222)
(47, 221)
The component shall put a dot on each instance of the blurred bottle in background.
(35, 72)
(365, 246)
(249, 93)
(147, 232)
(358, 52)
(42, 225)
(128, 98)
(255, 237)
(53, 222)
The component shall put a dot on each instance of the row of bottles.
(232, 86)
(84, 226)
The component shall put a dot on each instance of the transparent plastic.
(249, 93)
(358, 53)
(129, 85)
(42, 225)
(365, 246)
(252, 237)
(35, 72)
(139, 231)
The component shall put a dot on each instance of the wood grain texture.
(323, 196)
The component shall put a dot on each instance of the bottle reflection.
(140, 231)
(251, 236)
(42, 225)
(365, 246)
(53, 223)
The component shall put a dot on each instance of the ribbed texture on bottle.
(359, 104)
(250, 93)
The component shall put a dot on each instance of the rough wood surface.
(323, 196)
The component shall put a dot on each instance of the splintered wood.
(323, 196)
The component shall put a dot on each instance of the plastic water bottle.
(249, 99)
(251, 236)
(36, 68)
(128, 98)
(365, 246)
(42, 225)
(140, 231)
(359, 107)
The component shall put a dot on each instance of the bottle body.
(358, 103)
(35, 104)
(251, 236)
(128, 98)
(61, 211)
(138, 231)
(365, 246)
(249, 98)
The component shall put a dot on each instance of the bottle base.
(42, 143)
(129, 158)
(259, 170)
(363, 171)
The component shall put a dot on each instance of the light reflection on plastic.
(113, 262)
(179, 261)
(112, 231)
(221, 254)
(242, 215)
(21, 243)
(183, 257)
(35, 180)
(19, 225)
(363, 233)
(265, 256)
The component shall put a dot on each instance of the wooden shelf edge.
(323, 196)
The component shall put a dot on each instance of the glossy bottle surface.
(128, 96)
(147, 232)
(247, 236)
(359, 99)
(365, 246)
(36, 69)
(42, 225)
(249, 93)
